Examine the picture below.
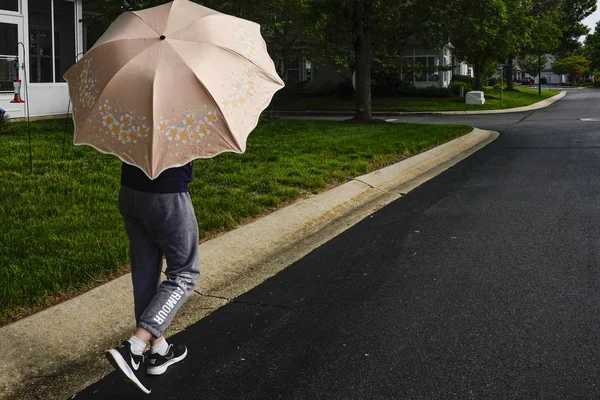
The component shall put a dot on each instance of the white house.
(438, 61)
(44, 37)
(547, 75)
(313, 78)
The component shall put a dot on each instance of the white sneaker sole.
(117, 361)
(163, 368)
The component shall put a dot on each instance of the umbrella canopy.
(170, 84)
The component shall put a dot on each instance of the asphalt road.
(481, 284)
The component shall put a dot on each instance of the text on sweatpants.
(169, 306)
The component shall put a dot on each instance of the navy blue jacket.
(172, 180)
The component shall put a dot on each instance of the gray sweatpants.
(160, 224)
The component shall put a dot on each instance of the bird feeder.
(17, 85)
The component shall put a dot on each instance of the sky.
(593, 19)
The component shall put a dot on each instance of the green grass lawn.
(61, 232)
(523, 96)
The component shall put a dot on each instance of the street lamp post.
(539, 75)
(501, 66)
(501, 87)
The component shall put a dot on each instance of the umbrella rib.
(152, 153)
(90, 53)
(233, 52)
(95, 104)
(142, 19)
(198, 19)
(211, 96)
(116, 73)
(116, 41)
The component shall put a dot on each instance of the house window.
(9, 5)
(8, 56)
(299, 69)
(9, 42)
(51, 39)
(432, 63)
(420, 68)
(423, 69)
(92, 26)
(64, 38)
(7, 74)
(293, 70)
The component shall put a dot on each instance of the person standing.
(160, 221)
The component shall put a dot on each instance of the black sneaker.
(131, 365)
(159, 364)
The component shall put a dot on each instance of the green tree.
(284, 23)
(543, 34)
(523, 27)
(354, 33)
(572, 13)
(477, 30)
(592, 48)
(530, 64)
(575, 66)
(498, 30)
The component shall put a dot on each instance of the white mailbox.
(475, 97)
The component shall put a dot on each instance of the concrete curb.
(536, 106)
(40, 349)
(541, 104)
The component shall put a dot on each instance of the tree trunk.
(509, 75)
(362, 49)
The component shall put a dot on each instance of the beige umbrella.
(170, 84)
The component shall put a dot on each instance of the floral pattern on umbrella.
(193, 126)
(123, 123)
(88, 93)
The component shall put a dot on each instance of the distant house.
(441, 63)
(550, 77)
(434, 68)
(547, 75)
(300, 72)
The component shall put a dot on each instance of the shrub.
(3, 122)
(431, 92)
(463, 78)
(291, 89)
(342, 89)
(493, 81)
(388, 84)
(456, 85)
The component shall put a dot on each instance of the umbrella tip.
(162, 37)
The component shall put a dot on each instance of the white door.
(11, 52)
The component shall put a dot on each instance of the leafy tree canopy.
(592, 48)
(530, 64)
(575, 66)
